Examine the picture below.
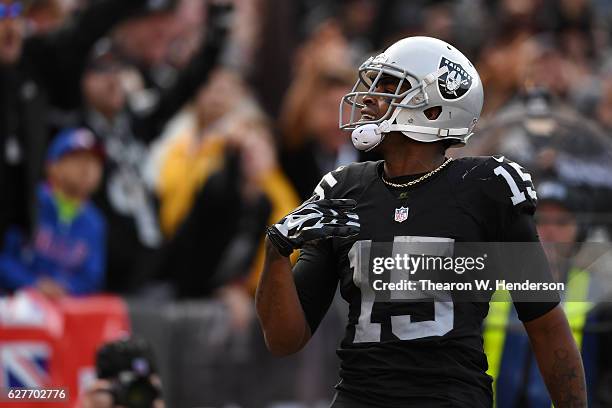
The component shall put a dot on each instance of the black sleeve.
(58, 58)
(509, 185)
(316, 281)
(149, 126)
(526, 260)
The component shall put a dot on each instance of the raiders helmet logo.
(456, 82)
(380, 59)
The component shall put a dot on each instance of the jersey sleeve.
(330, 184)
(509, 185)
(516, 195)
(525, 260)
(344, 182)
(314, 272)
(316, 281)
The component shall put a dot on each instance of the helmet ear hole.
(433, 113)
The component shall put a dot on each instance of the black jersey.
(420, 353)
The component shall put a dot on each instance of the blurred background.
(145, 145)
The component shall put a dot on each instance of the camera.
(129, 366)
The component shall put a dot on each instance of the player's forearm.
(559, 359)
(278, 307)
(563, 373)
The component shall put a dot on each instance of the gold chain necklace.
(423, 177)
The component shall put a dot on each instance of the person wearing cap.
(66, 253)
(38, 72)
(136, 245)
(561, 230)
(560, 224)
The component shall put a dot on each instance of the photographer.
(127, 377)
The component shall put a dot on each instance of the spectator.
(551, 139)
(45, 16)
(66, 253)
(170, 55)
(179, 177)
(147, 37)
(126, 200)
(134, 238)
(500, 79)
(219, 179)
(311, 142)
(561, 224)
(126, 376)
(35, 72)
(562, 229)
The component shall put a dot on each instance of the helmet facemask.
(370, 74)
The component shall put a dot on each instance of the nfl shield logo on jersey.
(401, 214)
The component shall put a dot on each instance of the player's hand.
(314, 220)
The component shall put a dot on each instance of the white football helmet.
(438, 75)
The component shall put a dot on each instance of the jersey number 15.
(401, 326)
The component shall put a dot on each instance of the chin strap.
(386, 127)
(369, 136)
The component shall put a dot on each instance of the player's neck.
(405, 157)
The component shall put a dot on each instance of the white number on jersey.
(402, 326)
(517, 196)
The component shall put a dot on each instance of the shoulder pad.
(504, 181)
(342, 181)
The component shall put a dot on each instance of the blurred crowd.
(214, 118)
(145, 144)
(183, 127)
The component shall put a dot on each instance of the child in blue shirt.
(66, 252)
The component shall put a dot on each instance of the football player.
(410, 103)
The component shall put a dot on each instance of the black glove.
(314, 220)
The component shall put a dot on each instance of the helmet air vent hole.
(433, 113)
